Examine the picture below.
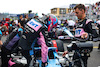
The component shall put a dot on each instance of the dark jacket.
(87, 27)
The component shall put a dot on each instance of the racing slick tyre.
(59, 45)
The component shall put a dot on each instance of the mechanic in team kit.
(84, 23)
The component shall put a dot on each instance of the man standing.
(21, 21)
(84, 23)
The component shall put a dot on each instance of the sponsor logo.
(28, 28)
(33, 24)
(78, 31)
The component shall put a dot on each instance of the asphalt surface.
(93, 61)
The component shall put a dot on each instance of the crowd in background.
(95, 9)
(11, 24)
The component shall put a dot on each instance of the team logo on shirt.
(79, 32)
(34, 24)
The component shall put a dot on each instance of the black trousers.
(5, 56)
(78, 63)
